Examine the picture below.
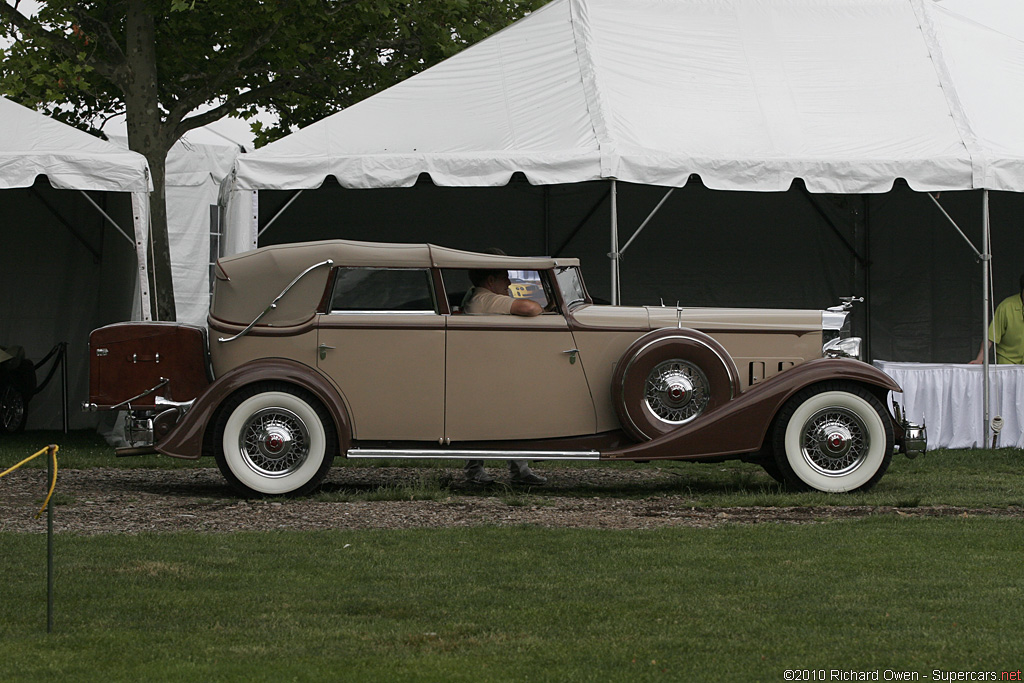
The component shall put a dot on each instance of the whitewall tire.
(834, 437)
(274, 440)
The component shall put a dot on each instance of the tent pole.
(278, 214)
(867, 275)
(107, 216)
(985, 265)
(613, 254)
(646, 221)
(140, 219)
(952, 222)
(546, 194)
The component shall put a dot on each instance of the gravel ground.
(108, 500)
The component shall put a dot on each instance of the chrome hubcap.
(274, 442)
(11, 407)
(676, 391)
(834, 441)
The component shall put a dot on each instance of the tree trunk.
(147, 136)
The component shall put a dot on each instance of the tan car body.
(437, 376)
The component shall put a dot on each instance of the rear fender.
(185, 440)
(741, 425)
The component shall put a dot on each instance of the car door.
(511, 377)
(383, 342)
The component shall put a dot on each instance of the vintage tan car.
(362, 350)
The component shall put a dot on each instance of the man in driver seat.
(489, 296)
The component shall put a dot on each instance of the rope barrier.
(53, 484)
(61, 348)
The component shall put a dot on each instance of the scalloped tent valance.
(32, 145)
(848, 95)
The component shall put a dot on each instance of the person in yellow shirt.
(1007, 331)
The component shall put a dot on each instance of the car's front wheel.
(13, 407)
(833, 437)
(274, 439)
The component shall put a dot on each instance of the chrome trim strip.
(469, 454)
(273, 304)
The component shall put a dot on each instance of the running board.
(469, 454)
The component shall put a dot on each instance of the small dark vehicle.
(17, 386)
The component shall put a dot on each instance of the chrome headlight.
(842, 348)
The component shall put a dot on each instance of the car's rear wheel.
(833, 437)
(274, 439)
(13, 407)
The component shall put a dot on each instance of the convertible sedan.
(362, 350)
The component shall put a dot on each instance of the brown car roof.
(248, 282)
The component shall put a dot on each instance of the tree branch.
(235, 102)
(204, 94)
(105, 34)
(115, 72)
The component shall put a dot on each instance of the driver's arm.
(526, 307)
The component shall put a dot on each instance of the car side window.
(571, 285)
(527, 284)
(382, 289)
(523, 284)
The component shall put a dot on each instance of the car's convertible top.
(265, 272)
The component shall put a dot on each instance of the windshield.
(571, 285)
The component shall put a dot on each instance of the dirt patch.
(108, 500)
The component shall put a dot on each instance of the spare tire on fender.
(670, 377)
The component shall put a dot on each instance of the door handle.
(323, 350)
(572, 355)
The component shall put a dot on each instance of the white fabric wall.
(194, 173)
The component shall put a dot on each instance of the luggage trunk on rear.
(128, 359)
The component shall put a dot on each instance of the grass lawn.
(732, 603)
(969, 478)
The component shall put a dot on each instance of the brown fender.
(186, 439)
(741, 425)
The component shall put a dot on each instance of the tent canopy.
(65, 268)
(32, 145)
(848, 95)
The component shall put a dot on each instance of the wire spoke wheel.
(274, 442)
(12, 408)
(676, 391)
(835, 441)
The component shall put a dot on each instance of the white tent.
(196, 166)
(851, 97)
(847, 95)
(74, 248)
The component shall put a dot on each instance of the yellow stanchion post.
(51, 484)
(51, 481)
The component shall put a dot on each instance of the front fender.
(185, 440)
(741, 425)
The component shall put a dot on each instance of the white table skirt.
(948, 400)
